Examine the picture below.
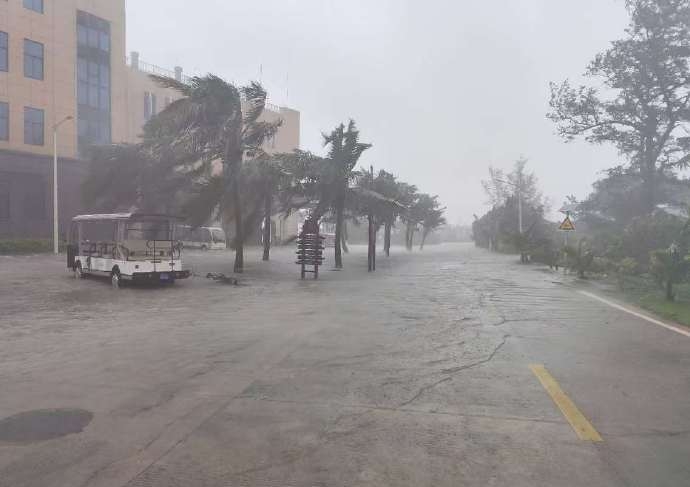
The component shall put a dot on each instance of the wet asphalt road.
(415, 376)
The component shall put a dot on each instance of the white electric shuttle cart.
(125, 246)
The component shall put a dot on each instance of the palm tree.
(214, 121)
(335, 177)
(267, 179)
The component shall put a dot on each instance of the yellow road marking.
(583, 428)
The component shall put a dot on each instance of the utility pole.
(55, 183)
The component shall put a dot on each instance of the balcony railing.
(158, 71)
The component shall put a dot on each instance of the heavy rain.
(318, 243)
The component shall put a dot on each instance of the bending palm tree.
(343, 155)
(214, 121)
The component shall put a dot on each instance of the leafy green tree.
(367, 199)
(432, 216)
(214, 121)
(407, 197)
(516, 219)
(642, 107)
(387, 185)
(517, 183)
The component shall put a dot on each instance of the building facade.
(63, 63)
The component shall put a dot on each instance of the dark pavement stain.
(43, 424)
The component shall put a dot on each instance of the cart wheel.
(115, 278)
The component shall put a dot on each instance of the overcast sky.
(442, 88)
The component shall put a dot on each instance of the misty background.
(443, 89)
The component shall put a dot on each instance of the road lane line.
(636, 314)
(583, 428)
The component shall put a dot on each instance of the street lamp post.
(55, 183)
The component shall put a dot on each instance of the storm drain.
(44, 424)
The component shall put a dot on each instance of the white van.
(129, 246)
(204, 238)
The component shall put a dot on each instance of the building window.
(35, 5)
(93, 81)
(4, 121)
(150, 108)
(4, 51)
(33, 59)
(4, 200)
(93, 32)
(33, 126)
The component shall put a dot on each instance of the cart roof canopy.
(124, 216)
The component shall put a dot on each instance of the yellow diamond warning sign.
(567, 225)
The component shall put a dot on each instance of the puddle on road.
(43, 424)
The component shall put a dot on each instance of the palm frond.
(257, 133)
(255, 100)
(168, 82)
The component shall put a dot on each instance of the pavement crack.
(422, 391)
(491, 356)
(455, 370)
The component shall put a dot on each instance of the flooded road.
(417, 375)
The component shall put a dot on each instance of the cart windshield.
(148, 230)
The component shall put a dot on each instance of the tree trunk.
(669, 290)
(339, 204)
(239, 227)
(387, 239)
(268, 206)
(410, 242)
(649, 188)
(373, 250)
(373, 247)
(343, 241)
(370, 234)
(421, 245)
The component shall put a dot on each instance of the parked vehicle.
(204, 238)
(125, 246)
(329, 240)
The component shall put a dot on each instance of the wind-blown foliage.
(214, 121)
(432, 216)
(644, 108)
(335, 176)
(265, 180)
(499, 228)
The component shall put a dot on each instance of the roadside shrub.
(669, 267)
(27, 246)
(648, 233)
(580, 259)
(623, 269)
